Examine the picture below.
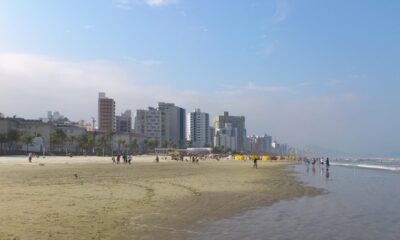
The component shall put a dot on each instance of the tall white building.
(148, 123)
(198, 128)
(226, 137)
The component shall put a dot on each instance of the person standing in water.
(327, 163)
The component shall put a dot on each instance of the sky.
(310, 73)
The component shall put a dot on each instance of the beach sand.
(145, 200)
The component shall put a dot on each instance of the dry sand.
(145, 200)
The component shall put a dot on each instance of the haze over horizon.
(321, 73)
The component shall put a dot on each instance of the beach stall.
(239, 157)
(266, 158)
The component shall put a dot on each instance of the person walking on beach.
(129, 159)
(255, 163)
(327, 163)
(113, 159)
(118, 158)
(30, 157)
(157, 159)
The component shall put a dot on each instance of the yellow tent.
(266, 158)
(253, 157)
(239, 157)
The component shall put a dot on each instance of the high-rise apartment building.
(198, 128)
(260, 145)
(212, 136)
(148, 123)
(173, 123)
(226, 137)
(124, 122)
(237, 122)
(106, 113)
(264, 144)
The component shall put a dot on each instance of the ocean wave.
(369, 166)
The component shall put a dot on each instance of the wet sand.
(358, 204)
(145, 200)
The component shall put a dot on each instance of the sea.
(360, 200)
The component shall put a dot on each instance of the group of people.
(126, 159)
(322, 162)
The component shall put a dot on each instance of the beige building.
(106, 113)
(148, 123)
(237, 122)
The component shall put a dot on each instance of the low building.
(71, 130)
(86, 125)
(7, 124)
(37, 127)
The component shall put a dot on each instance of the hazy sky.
(308, 72)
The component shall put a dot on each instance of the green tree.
(3, 139)
(165, 144)
(28, 140)
(174, 145)
(13, 136)
(58, 138)
(110, 136)
(133, 146)
(71, 139)
(85, 142)
(153, 144)
(102, 143)
(145, 144)
(120, 142)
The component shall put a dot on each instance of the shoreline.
(359, 203)
(142, 201)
